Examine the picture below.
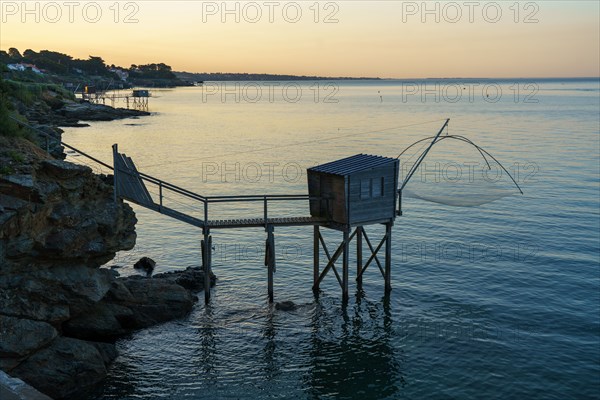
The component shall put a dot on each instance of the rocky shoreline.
(60, 312)
(50, 113)
(71, 113)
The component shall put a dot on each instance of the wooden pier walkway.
(131, 185)
(137, 98)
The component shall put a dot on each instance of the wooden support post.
(265, 213)
(345, 265)
(316, 253)
(206, 245)
(399, 212)
(374, 253)
(359, 257)
(388, 257)
(115, 173)
(203, 256)
(343, 247)
(160, 196)
(270, 258)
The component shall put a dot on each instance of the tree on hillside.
(96, 65)
(152, 71)
(14, 54)
(4, 57)
(92, 66)
(56, 57)
(51, 61)
(29, 53)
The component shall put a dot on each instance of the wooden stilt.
(316, 253)
(359, 257)
(344, 246)
(374, 253)
(345, 266)
(270, 260)
(115, 148)
(206, 245)
(388, 257)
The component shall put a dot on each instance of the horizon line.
(389, 78)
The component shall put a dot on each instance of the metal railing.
(164, 186)
(267, 200)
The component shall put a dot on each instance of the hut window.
(365, 189)
(377, 186)
(371, 188)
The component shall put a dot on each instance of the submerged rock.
(286, 306)
(191, 278)
(145, 264)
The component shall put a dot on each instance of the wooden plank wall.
(377, 207)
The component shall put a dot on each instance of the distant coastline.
(243, 76)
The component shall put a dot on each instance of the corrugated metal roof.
(350, 165)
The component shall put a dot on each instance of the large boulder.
(67, 367)
(138, 302)
(20, 338)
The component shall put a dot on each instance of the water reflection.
(269, 331)
(353, 356)
(208, 347)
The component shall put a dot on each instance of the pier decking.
(261, 222)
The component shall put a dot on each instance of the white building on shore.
(25, 67)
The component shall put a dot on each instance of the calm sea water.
(496, 300)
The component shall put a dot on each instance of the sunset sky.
(388, 39)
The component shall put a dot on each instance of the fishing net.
(458, 194)
(462, 180)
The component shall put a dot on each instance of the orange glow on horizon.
(358, 38)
